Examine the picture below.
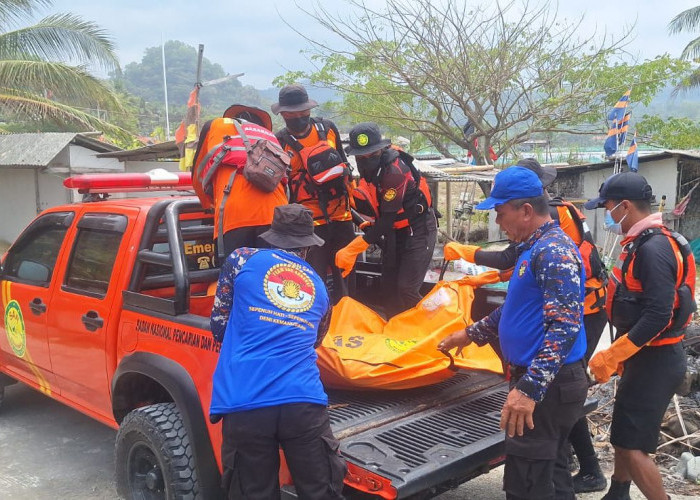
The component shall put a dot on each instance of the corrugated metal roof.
(36, 150)
(161, 151)
(644, 157)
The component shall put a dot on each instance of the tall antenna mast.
(165, 89)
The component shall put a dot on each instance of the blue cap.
(513, 183)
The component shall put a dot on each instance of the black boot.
(618, 490)
(590, 477)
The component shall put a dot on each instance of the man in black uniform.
(406, 221)
(650, 301)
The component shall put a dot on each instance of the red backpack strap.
(221, 254)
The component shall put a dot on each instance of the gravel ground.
(49, 451)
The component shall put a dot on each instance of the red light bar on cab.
(157, 179)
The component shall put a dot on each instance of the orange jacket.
(246, 205)
(339, 208)
(575, 227)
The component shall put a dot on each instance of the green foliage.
(145, 80)
(688, 21)
(669, 133)
(44, 83)
(423, 69)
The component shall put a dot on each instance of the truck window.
(200, 254)
(33, 257)
(94, 253)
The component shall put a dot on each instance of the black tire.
(153, 455)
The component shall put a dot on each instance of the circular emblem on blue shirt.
(289, 288)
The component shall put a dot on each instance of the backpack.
(592, 260)
(324, 174)
(255, 151)
(264, 162)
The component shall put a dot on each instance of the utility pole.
(165, 88)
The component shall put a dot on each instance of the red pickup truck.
(105, 308)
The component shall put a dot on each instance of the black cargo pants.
(336, 235)
(406, 258)
(537, 465)
(251, 460)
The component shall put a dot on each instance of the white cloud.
(251, 37)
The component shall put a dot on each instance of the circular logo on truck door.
(14, 326)
(289, 288)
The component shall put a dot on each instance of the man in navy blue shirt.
(540, 329)
(271, 311)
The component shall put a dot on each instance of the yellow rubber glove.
(454, 251)
(609, 361)
(346, 256)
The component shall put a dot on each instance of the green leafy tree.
(669, 133)
(38, 86)
(688, 21)
(425, 68)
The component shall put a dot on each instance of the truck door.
(84, 312)
(27, 276)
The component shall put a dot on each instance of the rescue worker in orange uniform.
(330, 205)
(650, 302)
(590, 477)
(406, 227)
(248, 210)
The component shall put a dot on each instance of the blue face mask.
(609, 223)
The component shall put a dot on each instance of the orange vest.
(338, 209)
(624, 289)
(246, 205)
(364, 200)
(572, 222)
(424, 194)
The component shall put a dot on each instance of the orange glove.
(609, 361)
(346, 256)
(364, 225)
(454, 251)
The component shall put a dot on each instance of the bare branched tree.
(511, 71)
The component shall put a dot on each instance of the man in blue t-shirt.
(540, 330)
(271, 311)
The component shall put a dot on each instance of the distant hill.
(319, 94)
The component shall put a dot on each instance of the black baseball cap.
(546, 174)
(366, 138)
(622, 186)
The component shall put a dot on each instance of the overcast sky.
(251, 37)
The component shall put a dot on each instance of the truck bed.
(431, 438)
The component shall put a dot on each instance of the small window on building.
(33, 257)
(94, 253)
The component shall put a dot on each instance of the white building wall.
(17, 202)
(661, 174)
(83, 160)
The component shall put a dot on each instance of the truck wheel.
(153, 455)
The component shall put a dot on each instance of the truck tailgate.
(426, 438)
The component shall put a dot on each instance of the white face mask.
(609, 223)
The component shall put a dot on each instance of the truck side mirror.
(33, 271)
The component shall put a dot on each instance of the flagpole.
(165, 89)
(198, 83)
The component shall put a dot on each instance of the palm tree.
(688, 20)
(36, 82)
